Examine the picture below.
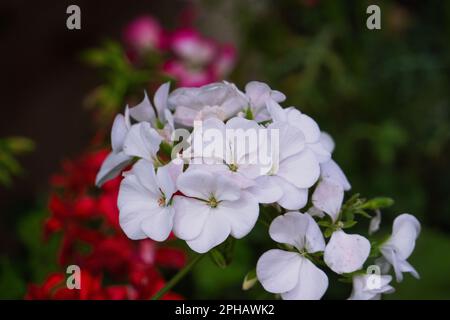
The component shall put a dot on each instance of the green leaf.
(349, 224)
(328, 232)
(324, 223)
(222, 255)
(378, 203)
(218, 258)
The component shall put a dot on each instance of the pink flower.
(198, 60)
(190, 46)
(144, 33)
(188, 76)
(224, 62)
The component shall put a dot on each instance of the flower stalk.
(177, 277)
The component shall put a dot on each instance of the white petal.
(257, 92)
(293, 198)
(215, 231)
(145, 173)
(118, 133)
(160, 100)
(320, 152)
(266, 190)
(291, 139)
(375, 222)
(278, 270)
(299, 230)
(204, 184)
(305, 123)
(314, 212)
(327, 141)
(331, 170)
(190, 217)
(276, 111)
(302, 170)
(166, 182)
(242, 214)
(328, 197)
(312, 283)
(185, 116)
(196, 184)
(346, 253)
(111, 167)
(158, 225)
(405, 230)
(278, 96)
(397, 263)
(370, 287)
(170, 121)
(142, 141)
(143, 111)
(135, 204)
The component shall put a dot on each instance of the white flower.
(397, 249)
(116, 160)
(365, 287)
(258, 93)
(212, 208)
(311, 132)
(236, 155)
(142, 141)
(295, 170)
(219, 100)
(346, 253)
(291, 274)
(145, 199)
(159, 116)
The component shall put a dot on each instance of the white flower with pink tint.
(212, 208)
(291, 273)
(400, 245)
(248, 160)
(145, 200)
(220, 100)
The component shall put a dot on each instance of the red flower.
(55, 288)
(88, 219)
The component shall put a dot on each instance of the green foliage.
(383, 95)
(41, 254)
(122, 79)
(222, 255)
(12, 284)
(11, 147)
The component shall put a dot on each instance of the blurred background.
(382, 94)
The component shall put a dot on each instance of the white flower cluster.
(205, 202)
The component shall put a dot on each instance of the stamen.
(212, 202)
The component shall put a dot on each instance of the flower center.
(233, 167)
(212, 202)
(162, 201)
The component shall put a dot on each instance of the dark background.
(44, 83)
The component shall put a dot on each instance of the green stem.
(169, 285)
